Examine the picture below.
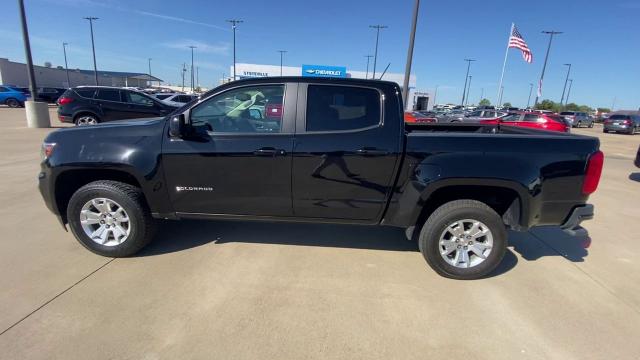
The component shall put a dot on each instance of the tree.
(507, 105)
(604, 110)
(547, 104)
(572, 107)
(484, 102)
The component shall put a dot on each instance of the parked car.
(162, 96)
(12, 96)
(89, 105)
(629, 124)
(417, 117)
(179, 99)
(480, 115)
(577, 119)
(50, 94)
(637, 161)
(454, 116)
(339, 156)
(532, 120)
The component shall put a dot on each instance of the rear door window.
(108, 95)
(339, 108)
(531, 117)
(512, 118)
(3, 89)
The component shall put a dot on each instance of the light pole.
(66, 67)
(184, 70)
(281, 55)
(530, 90)
(197, 76)
(366, 75)
(234, 23)
(93, 47)
(468, 92)
(566, 101)
(435, 95)
(613, 103)
(375, 55)
(407, 68)
(192, 78)
(546, 57)
(466, 77)
(150, 70)
(481, 95)
(565, 82)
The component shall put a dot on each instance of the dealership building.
(15, 73)
(418, 100)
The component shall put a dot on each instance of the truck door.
(345, 154)
(238, 161)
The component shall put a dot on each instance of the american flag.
(517, 41)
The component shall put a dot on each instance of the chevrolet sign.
(324, 71)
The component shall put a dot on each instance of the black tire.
(12, 103)
(605, 131)
(579, 124)
(449, 213)
(86, 117)
(142, 225)
(591, 124)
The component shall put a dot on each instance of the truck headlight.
(47, 150)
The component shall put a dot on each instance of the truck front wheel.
(463, 239)
(110, 218)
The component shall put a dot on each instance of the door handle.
(371, 151)
(269, 151)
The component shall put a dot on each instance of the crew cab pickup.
(319, 150)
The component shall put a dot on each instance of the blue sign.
(324, 71)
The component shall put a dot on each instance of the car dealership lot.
(264, 290)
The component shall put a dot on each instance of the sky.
(601, 39)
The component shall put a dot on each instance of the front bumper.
(577, 216)
(45, 185)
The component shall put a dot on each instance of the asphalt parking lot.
(235, 290)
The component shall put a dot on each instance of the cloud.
(220, 48)
(113, 5)
(178, 19)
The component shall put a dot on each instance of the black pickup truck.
(319, 150)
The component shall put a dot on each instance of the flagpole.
(504, 65)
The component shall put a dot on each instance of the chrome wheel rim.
(105, 222)
(465, 243)
(86, 120)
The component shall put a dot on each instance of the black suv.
(89, 105)
(50, 95)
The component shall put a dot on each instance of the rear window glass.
(162, 97)
(567, 113)
(619, 117)
(335, 108)
(88, 93)
(556, 118)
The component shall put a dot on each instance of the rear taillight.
(425, 120)
(592, 175)
(64, 100)
(627, 122)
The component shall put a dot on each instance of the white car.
(178, 99)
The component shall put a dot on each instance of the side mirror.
(177, 126)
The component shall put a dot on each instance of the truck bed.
(476, 128)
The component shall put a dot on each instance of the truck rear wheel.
(463, 239)
(110, 218)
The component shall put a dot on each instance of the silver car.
(577, 118)
(629, 124)
(485, 114)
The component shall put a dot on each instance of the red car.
(531, 120)
(418, 118)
